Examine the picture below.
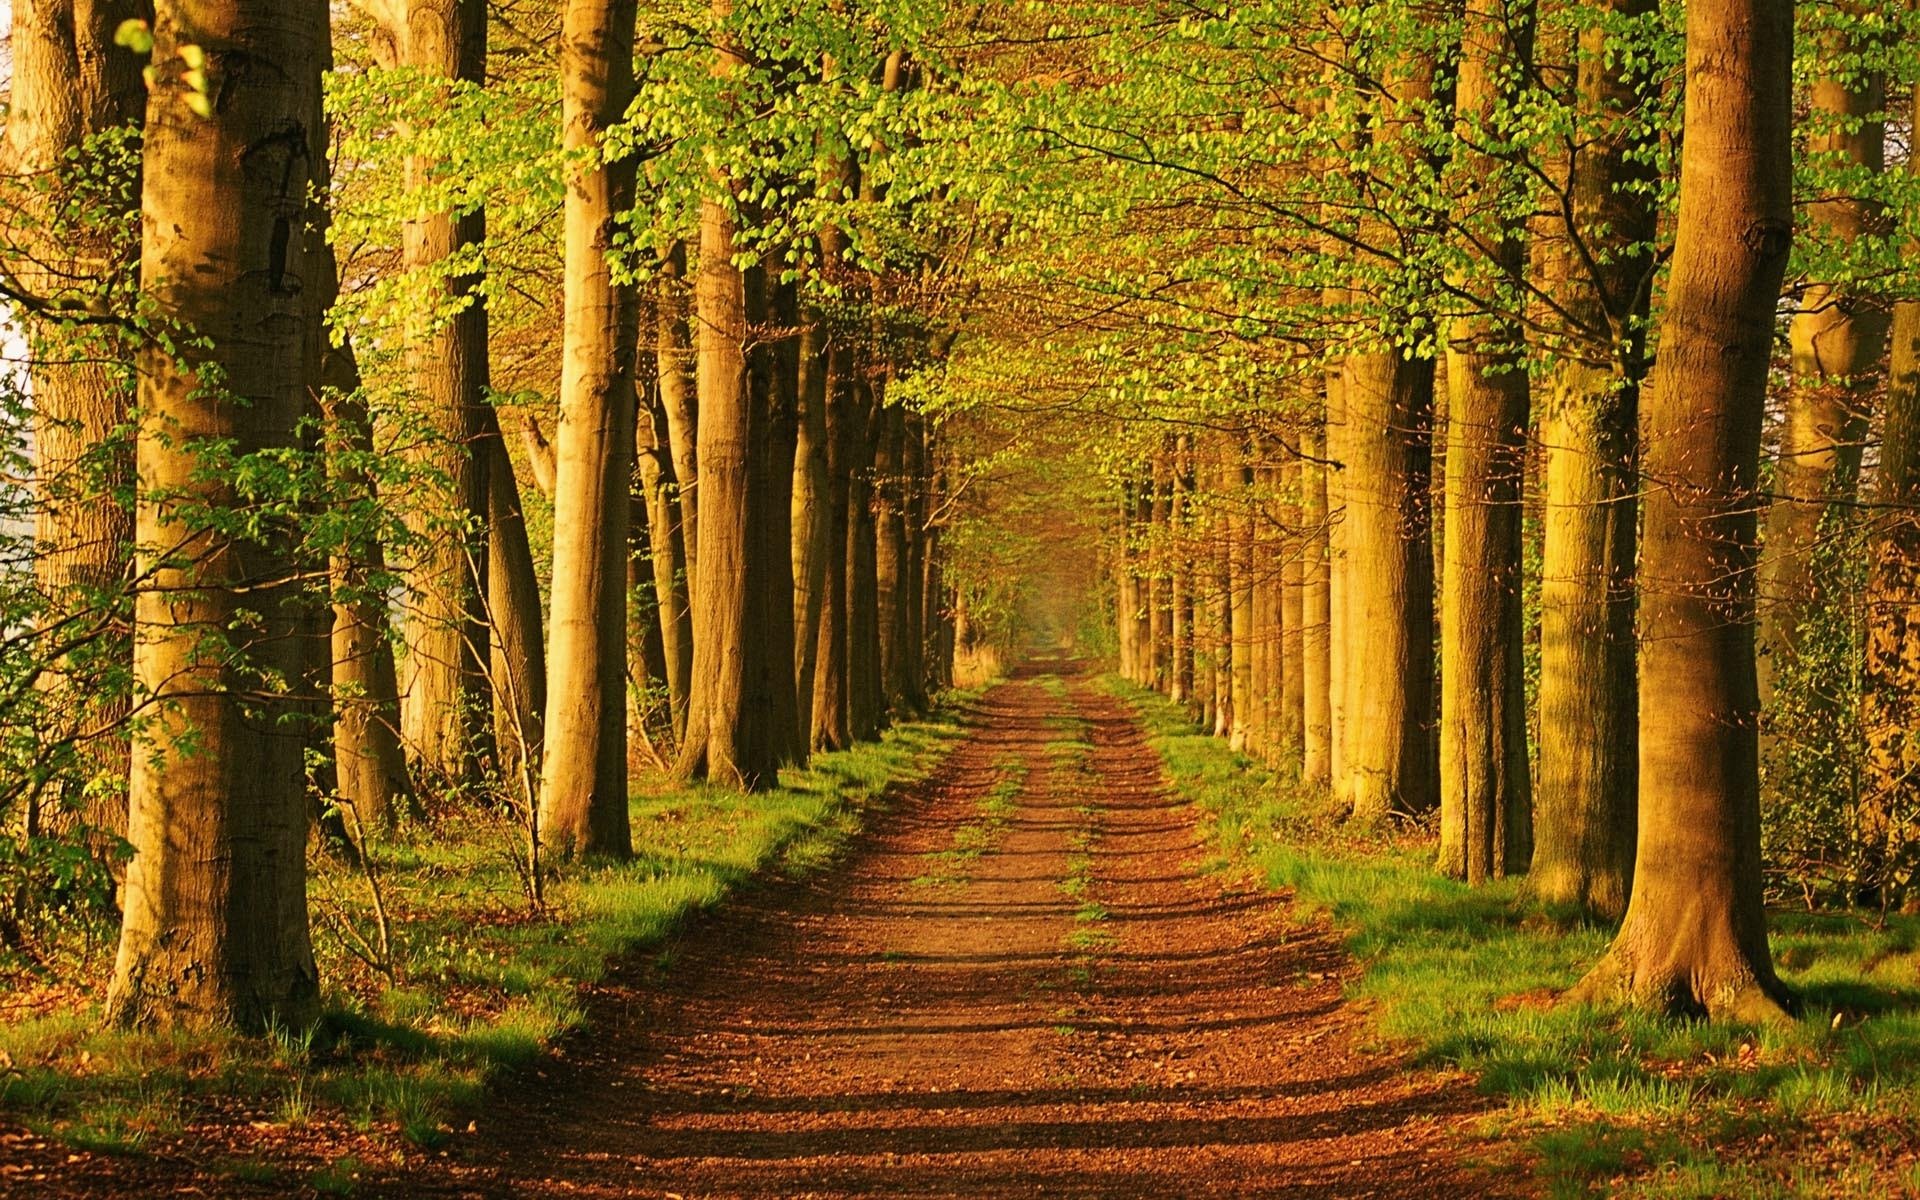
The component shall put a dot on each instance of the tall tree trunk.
(583, 775)
(1694, 937)
(447, 694)
(1290, 727)
(1220, 596)
(1266, 560)
(215, 929)
(1316, 616)
(812, 507)
(1160, 576)
(1235, 486)
(674, 356)
(831, 730)
(1126, 587)
(1586, 788)
(666, 541)
(890, 556)
(1890, 708)
(1387, 744)
(1837, 337)
(1337, 477)
(866, 694)
(1180, 537)
(370, 763)
(517, 649)
(714, 747)
(773, 733)
(1484, 802)
(70, 83)
(917, 516)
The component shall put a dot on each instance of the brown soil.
(926, 1026)
(1076, 1008)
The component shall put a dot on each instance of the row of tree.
(1497, 553)
(282, 560)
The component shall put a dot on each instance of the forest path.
(1021, 983)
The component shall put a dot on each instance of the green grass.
(1601, 1103)
(481, 982)
(993, 813)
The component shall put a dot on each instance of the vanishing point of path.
(1021, 982)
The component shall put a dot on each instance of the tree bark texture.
(1587, 783)
(215, 927)
(1694, 937)
(447, 693)
(1837, 338)
(71, 83)
(1485, 807)
(583, 775)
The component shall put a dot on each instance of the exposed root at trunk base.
(1729, 992)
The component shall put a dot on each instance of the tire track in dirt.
(1021, 983)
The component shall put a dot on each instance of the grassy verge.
(1599, 1103)
(477, 980)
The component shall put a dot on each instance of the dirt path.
(1022, 983)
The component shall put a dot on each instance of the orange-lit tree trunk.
(1586, 786)
(1837, 338)
(1485, 806)
(1180, 535)
(1694, 937)
(583, 776)
(831, 727)
(70, 83)
(447, 691)
(215, 928)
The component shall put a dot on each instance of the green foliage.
(1819, 844)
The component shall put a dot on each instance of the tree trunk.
(712, 748)
(1484, 802)
(1339, 532)
(812, 507)
(831, 729)
(773, 736)
(1291, 717)
(1180, 537)
(1235, 485)
(866, 695)
(370, 763)
(666, 540)
(1126, 590)
(583, 776)
(215, 929)
(1837, 337)
(1316, 678)
(1586, 788)
(1694, 937)
(70, 83)
(1160, 577)
(890, 556)
(673, 344)
(517, 650)
(917, 517)
(447, 690)
(1267, 564)
(1890, 708)
(1220, 598)
(1387, 719)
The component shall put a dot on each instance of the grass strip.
(1599, 1103)
(479, 980)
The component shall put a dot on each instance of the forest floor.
(1021, 982)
